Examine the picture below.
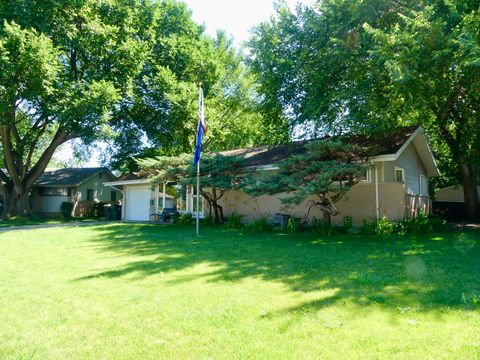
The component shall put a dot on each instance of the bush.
(368, 227)
(261, 225)
(380, 227)
(293, 226)
(234, 221)
(384, 227)
(347, 223)
(421, 224)
(209, 221)
(66, 209)
(185, 219)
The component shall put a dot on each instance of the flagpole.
(200, 113)
(198, 198)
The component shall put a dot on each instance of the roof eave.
(127, 182)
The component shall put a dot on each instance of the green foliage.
(374, 65)
(384, 226)
(347, 222)
(66, 209)
(326, 170)
(234, 221)
(185, 219)
(261, 224)
(122, 71)
(293, 226)
(208, 221)
(422, 224)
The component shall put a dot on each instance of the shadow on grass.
(425, 272)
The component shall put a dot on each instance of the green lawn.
(126, 291)
(25, 221)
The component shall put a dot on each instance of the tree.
(326, 170)
(126, 71)
(60, 80)
(218, 174)
(165, 110)
(374, 65)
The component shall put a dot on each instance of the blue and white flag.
(201, 127)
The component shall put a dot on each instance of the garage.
(138, 203)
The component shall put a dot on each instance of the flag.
(201, 127)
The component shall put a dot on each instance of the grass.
(147, 291)
(37, 220)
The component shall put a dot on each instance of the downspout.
(164, 196)
(377, 195)
(156, 195)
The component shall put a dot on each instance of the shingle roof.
(67, 176)
(383, 144)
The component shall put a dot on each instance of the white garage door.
(138, 203)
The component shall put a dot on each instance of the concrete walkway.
(46, 226)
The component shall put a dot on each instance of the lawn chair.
(168, 214)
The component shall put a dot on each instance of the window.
(423, 185)
(89, 194)
(55, 192)
(399, 175)
(113, 196)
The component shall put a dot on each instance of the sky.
(236, 17)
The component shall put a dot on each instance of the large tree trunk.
(217, 208)
(468, 177)
(16, 202)
(20, 178)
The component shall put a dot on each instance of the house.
(395, 184)
(81, 186)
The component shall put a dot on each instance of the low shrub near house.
(66, 209)
(262, 224)
(293, 226)
(234, 221)
(421, 224)
(185, 219)
(209, 221)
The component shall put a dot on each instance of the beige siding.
(388, 171)
(411, 163)
(359, 203)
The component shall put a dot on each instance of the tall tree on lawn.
(120, 71)
(372, 65)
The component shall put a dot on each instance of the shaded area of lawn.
(37, 220)
(426, 272)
